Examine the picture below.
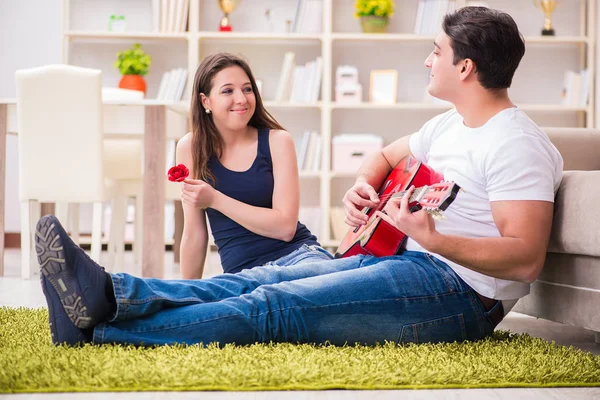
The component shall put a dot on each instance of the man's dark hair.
(488, 37)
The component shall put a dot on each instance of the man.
(456, 280)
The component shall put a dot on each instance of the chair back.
(59, 111)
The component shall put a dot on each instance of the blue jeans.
(413, 297)
(303, 254)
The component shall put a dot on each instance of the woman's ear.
(205, 101)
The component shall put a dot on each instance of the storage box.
(346, 74)
(348, 93)
(350, 150)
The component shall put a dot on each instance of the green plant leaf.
(133, 61)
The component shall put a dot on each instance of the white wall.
(30, 36)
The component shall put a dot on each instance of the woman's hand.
(198, 193)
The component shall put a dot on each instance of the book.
(164, 7)
(156, 15)
(283, 90)
(316, 83)
(171, 15)
(303, 150)
(312, 17)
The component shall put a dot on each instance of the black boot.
(80, 284)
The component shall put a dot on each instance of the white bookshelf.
(536, 87)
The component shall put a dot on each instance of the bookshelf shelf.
(442, 107)
(540, 78)
(250, 36)
(91, 35)
(402, 37)
(411, 37)
(310, 174)
(557, 40)
(552, 107)
(340, 175)
(396, 106)
(288, 105)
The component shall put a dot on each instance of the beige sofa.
(568, 289)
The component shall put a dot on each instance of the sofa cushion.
(579, 147)
(575, 228)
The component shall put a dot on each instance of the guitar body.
(377, 237)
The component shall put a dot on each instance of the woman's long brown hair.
(206, 139)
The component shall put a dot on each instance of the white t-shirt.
(508, 158)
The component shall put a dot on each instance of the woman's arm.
(195, 234)
(279, 222)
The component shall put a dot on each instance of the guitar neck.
(416, 195)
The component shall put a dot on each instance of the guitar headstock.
(436, 198)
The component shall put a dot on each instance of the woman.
(245, 176)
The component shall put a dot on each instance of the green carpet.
(30, 363)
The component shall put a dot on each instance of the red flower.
(178, 173)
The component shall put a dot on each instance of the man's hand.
(356, 198)
(418, 225)
(198, 193)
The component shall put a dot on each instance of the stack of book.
(430, 14)
(170, 16)
(299, 83)
(309, 150)
(172, 85)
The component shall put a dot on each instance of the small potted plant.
(133, 64)
(374, 14)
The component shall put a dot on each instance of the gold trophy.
(227, 6)
(547, 7)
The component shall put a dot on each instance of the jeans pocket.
(447, 329)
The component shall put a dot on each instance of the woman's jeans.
(413, 297)
(303, 254)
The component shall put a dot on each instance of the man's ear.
(468, 67)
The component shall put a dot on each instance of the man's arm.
(517, 255)
(378, 166)
(370, 175)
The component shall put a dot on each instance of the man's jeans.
(409, 298)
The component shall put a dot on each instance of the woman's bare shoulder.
(185, 141)
(184, 149)
(280, 137)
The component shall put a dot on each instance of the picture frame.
(383, 86)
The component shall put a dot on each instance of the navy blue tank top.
(238, 247)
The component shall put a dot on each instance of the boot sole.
(52, 260)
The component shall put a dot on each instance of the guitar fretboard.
(416, 195)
